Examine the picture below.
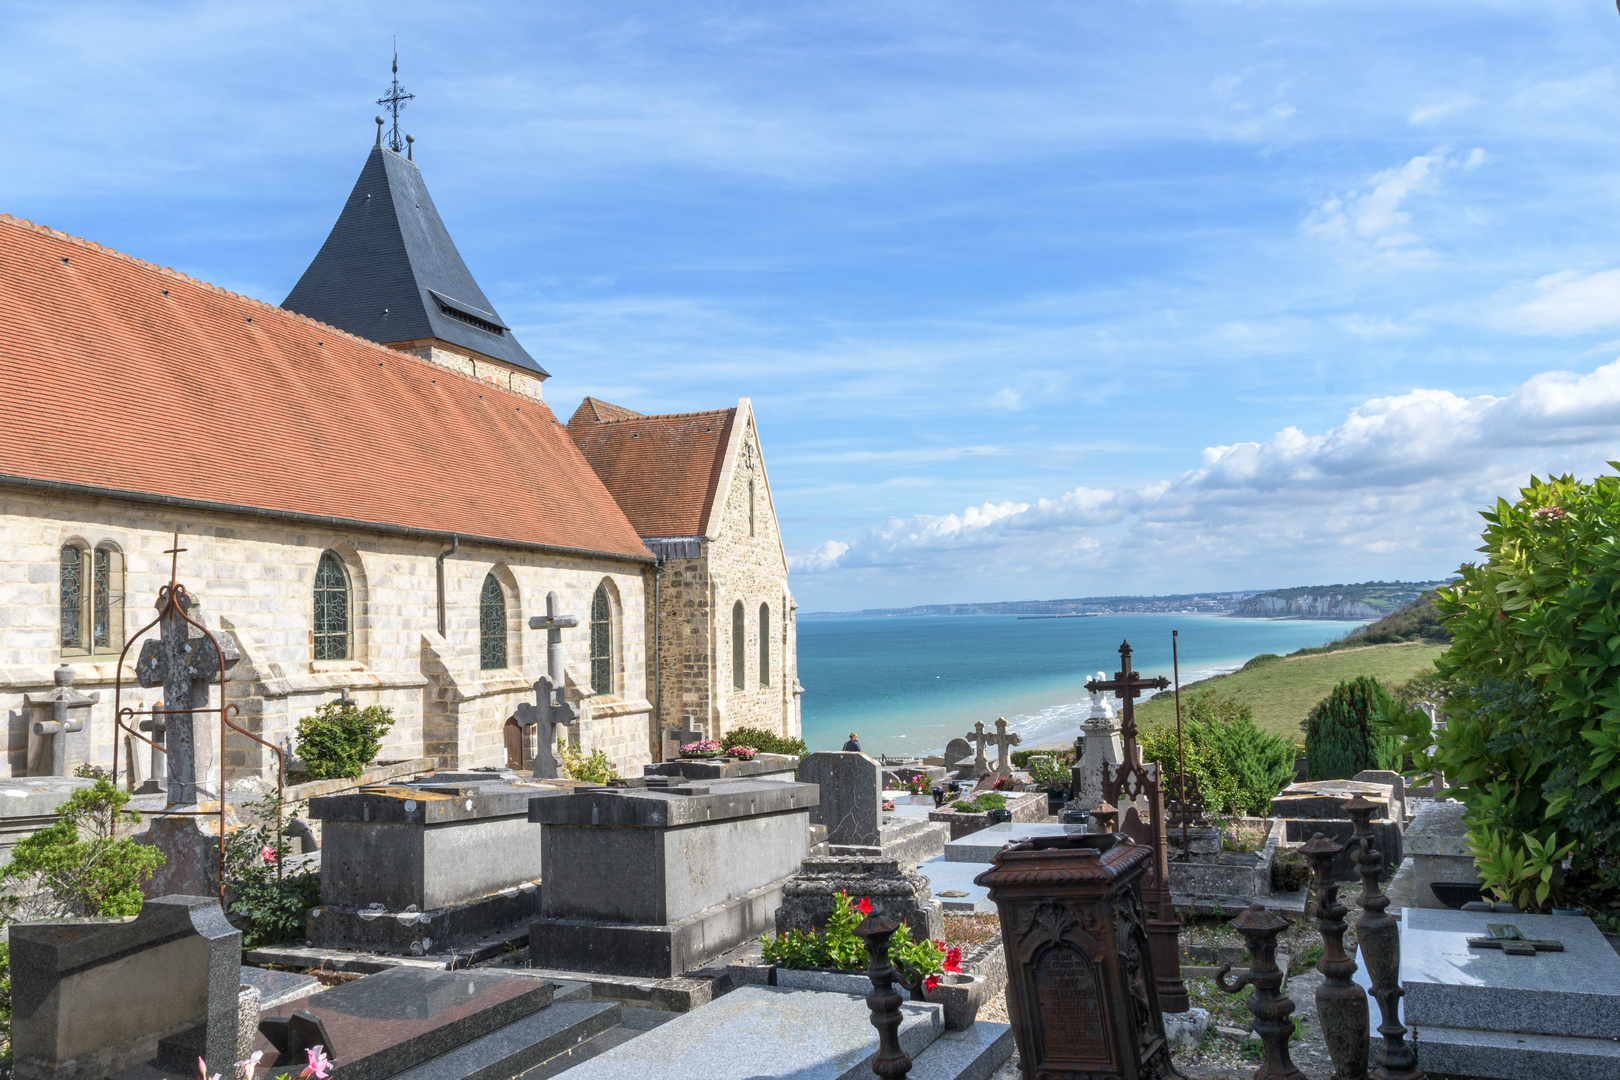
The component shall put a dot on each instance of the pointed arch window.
(333, 640)
(602, 641)
(91, 598)
(764, 644)
(492, 625)
(739, 648)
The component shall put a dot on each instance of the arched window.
(739, 647)
(492, 625)
(602, 641)
(750, 508)
(764, 644)
(332, 637)
(91, 598)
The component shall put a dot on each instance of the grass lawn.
(1282, 692)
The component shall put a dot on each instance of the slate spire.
(390, 273)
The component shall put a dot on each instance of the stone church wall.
(686, 643)
(751, 569)
(254, 578)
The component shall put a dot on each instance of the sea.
(908, 685)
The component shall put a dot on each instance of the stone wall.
(253, 577)
(494, 372)
(752, 569)
(686, 642)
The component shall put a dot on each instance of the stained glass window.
(107, 595)
(602, 641)
(492, 625)
(331, 608)
(72, 602)
(764, 644)
(739, 648)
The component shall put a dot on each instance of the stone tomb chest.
(1317, 806)
(415, 869)
(1488, 1012)
(654, 881)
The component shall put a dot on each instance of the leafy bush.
(340, 739)
(919, 963)
(268, 905)
(1532, 736)
(1340, 739)
(1022, 758)
(1049, 774)
(75, 868)
(766, 742)
(1261, 661)
(1290, 871)
(981, 803)
(1239, 766)
(594, 769)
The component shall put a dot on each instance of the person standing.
(854, 744)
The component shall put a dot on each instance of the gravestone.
(851, 803)
(1397, 790)
(1097, 746)
(1485, 1012)
(1317, 806)
(59, 736)
(1004, 740)
(808, 897)
(1437, 841)
(980, 740)
(551, 706)
(29, 804)
(92, 996)
(762, 767)
(421, 868)
(657, 880)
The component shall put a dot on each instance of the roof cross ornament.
(395, 100)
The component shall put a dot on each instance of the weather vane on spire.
(395, 99)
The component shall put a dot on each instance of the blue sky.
(1032, 299)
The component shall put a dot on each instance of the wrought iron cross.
(1128, 685)
(395, 100)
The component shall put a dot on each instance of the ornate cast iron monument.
(1080, 977)
(875, 930)
(1341, 1005)
(1123, 785)
(1271, 1008)
(1379, 934)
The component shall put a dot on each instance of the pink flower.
(202, 1071)
(1550, 513)
(953, 960)
(268, 853)
(865, 906)
(319, 1064)
(933, 981)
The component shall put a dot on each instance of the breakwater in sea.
(909, 685)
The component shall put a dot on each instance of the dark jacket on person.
(852, 747)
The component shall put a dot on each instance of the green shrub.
(340, 739)
(266, 904)
(75, 868)
(575, 764)
(837, 946)
(1022, 758)
(982, 802)
(1290, 871)
(1340, 739)
(1239, 766)
(1050, 775)
(1532, 735)
(1261, 661)
(766, 742)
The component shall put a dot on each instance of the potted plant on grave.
(707, 748)
(1053, 779)
(919, 786)
(741, 753)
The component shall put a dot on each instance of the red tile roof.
(663, 470)
(117, 374)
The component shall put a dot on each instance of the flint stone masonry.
(808, 897)
(92, 996)
(410, 868)
(851, 796)
(660, 879)
(1437, 841)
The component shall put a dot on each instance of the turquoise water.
(910, 685)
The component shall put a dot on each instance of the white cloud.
(1433, 113)
(1399, 479)
(1375, 218)
(1006, 398)
(1569, 303)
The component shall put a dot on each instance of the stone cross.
(980, 739)
(63, 701)
(184, 662)
(1506, 936)
(1004, 741)
(158, 780)
(550, 707)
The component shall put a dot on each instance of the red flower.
(953, 960)
(865, 906)
(933, 981)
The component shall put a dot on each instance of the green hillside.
(1282, 691)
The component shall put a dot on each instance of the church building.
(370, 498)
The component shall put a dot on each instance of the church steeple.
(389, 272)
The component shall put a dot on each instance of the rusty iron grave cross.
(1128, 686)
(1506, 936)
